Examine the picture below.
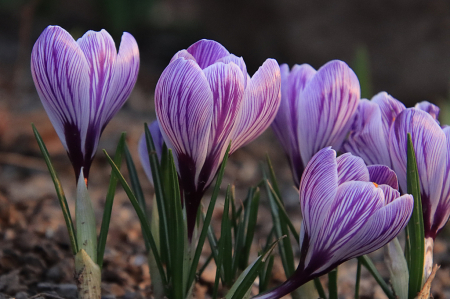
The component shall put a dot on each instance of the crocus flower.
(344, 215)
(205, 98)
(369, 134)
(82, 84)
(432, 147)
(316, 110)
(143, 151)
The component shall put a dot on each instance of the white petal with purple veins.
(351, 168)
(431, 109)
(260, 104)
(207, 52)
(326, 106)
(184, 105)
(382, 174)
(390, 108)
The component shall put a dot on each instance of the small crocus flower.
(344, 215)
(143, 150)
(82, 84)
(369, 134)
(204, 99)
(432, 147)
(316, 110)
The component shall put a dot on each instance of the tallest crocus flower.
(205, 98)
(82, 84)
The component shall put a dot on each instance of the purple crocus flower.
(432, 147)
(143, 151)
(205, 98)
(344, 215)
(369, 134)
(82, 84)
(316, 110)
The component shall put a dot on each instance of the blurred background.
(401, 46)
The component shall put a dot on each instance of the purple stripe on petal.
(430, 146)
(383, 175)
(239, 61)
(227, 85)
(351, 168)
(184, 105)
(431, 109)
(353, 206)
(327, 106)
(318, 188)
(260, 105)
(367, 138)
(389, 193)
(384, 225)
(207, 52)
(390, 108)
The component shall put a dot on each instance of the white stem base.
(88, 275)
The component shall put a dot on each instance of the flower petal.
(383, 175)
(239, 61)
(207, 52)
(353, 206)
(326, 108)
(60, 72)
(367, 138)
(389, 193)
(318, 189)
(351, 168)
(227, 85)
(260, 105)
(390, 108)
(184, 105)
(430, 146)
(183, 53)
(431, 109)
(384, 225)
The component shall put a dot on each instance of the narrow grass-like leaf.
(207, 220)
(109, 203)
(367, 263)
(205, 265)
(176, 229)
(245, 281)
(332, 284)
(358, 279)
(319, 288)
(159, 193)
(59, 192)
(226, 235)
(273, 178)
(141, 215)
(222, 249)
(266, 275)
(250, 227)
(416, 235)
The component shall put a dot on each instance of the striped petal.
(207, 52)
(430, 146)
(285, 122)
(353, 206)
(383, 175)
(390, 108)
(326, 108)
(227, 85)
(431, 109)
(384, 225)
(259, 106)
(184, 105)
(389, 193)
(318, 189)
(351, 168)
(239, 61)
(143, 151)
(183, 53)
(367, 138)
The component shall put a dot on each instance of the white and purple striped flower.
(345, 215)
(205, 98)
(143, 151)
(82, 84)
(316, 110)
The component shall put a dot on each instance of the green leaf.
(159, 193)
(265, 275)
(358, 279)
(332, 284)
(109, 203)
(415, 231)
(59, 192)
(207, 220)
(245, 281)
(141, 215)
(366, 262)
(176, 230)
(250, 223)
